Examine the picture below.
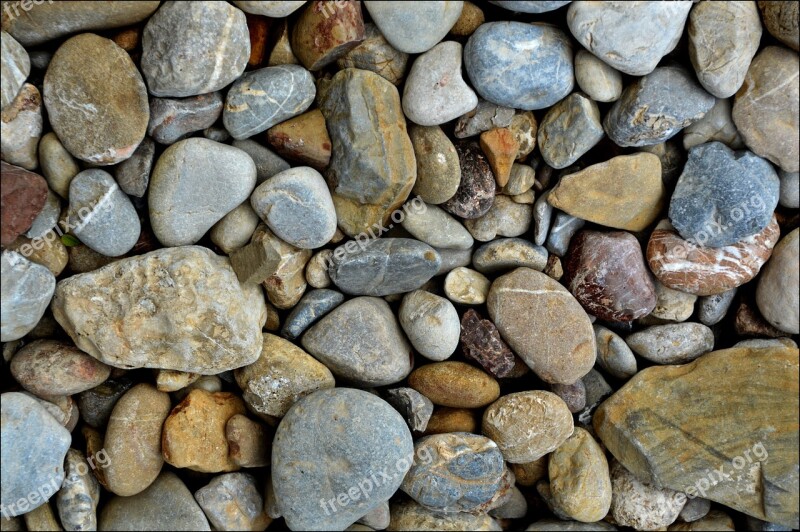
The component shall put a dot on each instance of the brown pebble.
(455, 384)
(22, 198)
(128, 39)
(749, 322)
(500, 148)
(326, 31)
(258, 27)
(49, 367)
(529, 473)
(482, 343)
(445, 419)
(471, 17)
(574, 395)
(303, 139)
(248, 443)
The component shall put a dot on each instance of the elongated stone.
(27, 288)
(16, 65)
(172, 119)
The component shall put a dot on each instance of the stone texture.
(27, 288)
(656, 107)
(234, 230)
(95, 405)
(483, 118)
(500, 147)
(640, 505)
(194, 48)
(173, 119)
(535, 59)
(683, 265)
(194, 184)
(133, 440)
(22, 128)
(49, 367)
(780, 18)
(509, 253)
(435, 227)
(453, 258)
(303, 139)
(445, 419)
(121, 313)
(414, 28)
(79, 495)
(24, 195)
(766, 107)
(716, 125)
(470, 19)
(58, 166)
(777, 292)
(248, 442)
(476, 192)
(674, 343)
(569, 129)
(310, 309)
(317, 269)
(504, 218)
(712, 309)
(370, 436)
(233, 502)
(722, 196)
(415, 407)
(438, 167)
(16, 66)
(455, 384)
(363, 114)
(531, 310)
(376, 54)
(630, 36)
(755, 401)
(607, 274)
(521, 179)
(466, 286)
(361, 341)
(283, 375)
(559, 524)
(573, 395)
(563, 229)
(409, 515)
(481, 343)
(96, 100)
(270, 9)
(133, 174)
(325, 32)
(267, 162)
(542, 216)
(528, 6)
(431, 324)
(600, 81)
(52, 254)
(672, 305)
(625, 192)
(790, 189)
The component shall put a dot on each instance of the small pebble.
(569, 129)
(466, 286)
(174, 119)
(234, 230)
(16, 66)
(431, 324)
(639, 505)
(777, 290)
(716, 125)
(27, 290)
(233, 502)
(49, 367)
(600, 81)
(414, 407)
(481, 342)
(311, 307)
(376, 54)
(790, 189)
(613, 354)
(79, 495)
(303, 139)
(484, 117)
(672, 305)
(675, 343)
(22, 128)
(97, 403)
(434, 226)
(409, 515)
(454, 384)
(500, 147)
(438, 167)
(58, 166)
(267, 162)
(712, 309)
(133, 174)
(317, 269)
(509, 253)
(248, 442)
(476, 191)
(445, 419)
(321, 34)
(562, 229)
(504, 218)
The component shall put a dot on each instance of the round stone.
(313, 305)
(79, 495)
(431, 324)
(569, 129)
(435, 227)
(777, 292)
(96, 100)
(49, 367)
(328, 443)
(672, 305)
(639, 505)
(466, 286)
(324, 33)
(505, 218)
(509, 421)
(600, 81)
(297, 206)
(476, 191)
(27, 289)
(455, 384)
(194, 48)
(535, 61)
(58, 166)
(234, 230)
(417, 27)
(674, 343)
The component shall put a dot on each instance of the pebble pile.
(384, 265)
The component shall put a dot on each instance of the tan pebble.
(455, 384)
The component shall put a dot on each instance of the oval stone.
(673, 343)
(455, 384)
(27, 288)
(475, 193)
(49, 367)
(416, 27)
(431, 324)
(777, 292)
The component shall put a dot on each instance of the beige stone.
(466, 286)
(455, 384)
(248, 442)
(579, 478)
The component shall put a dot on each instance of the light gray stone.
(376, 54)
(542, 216)
(569, 129)
(414, 407)
(613, 354)
(310, 309)
(173, 119)
(642, 506)
(234, 230)
(484, 117)
(21, 128)
(777, 292)
(47, 219)
(600, 81)
(27, 288)
(233, 502)
(717, 124)
(414, 28)
(530, 6)
(672, 305)
(267, 162)
(504, 218)
(509, 253)
(453, 258)
(564, 228)
(674, 343)
(270, 8)
(434, 226)
(711, 309)
(790, 189)
(16, 65)
(133, 174)
(431, 324)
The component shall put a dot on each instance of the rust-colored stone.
(500, 148)
(303, 139)
(258, 27)
(482, 343)
(22, 198)
(326, 31)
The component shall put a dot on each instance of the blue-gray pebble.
(723, 196)
(530, 6)
(515, 64)
(308, 310)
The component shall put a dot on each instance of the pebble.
(383, 266)
(27, 290)
(766, 108)
(521, 179)
(173, 119)
(431, 324)
(414, 29)
(104, 218)
(672, 305)
(377, 519)
(310, 309)
(470, 19)
(34, 446)
(96, 100)
(234, 230)
(780, 18)
(303, 139)
(317, 269)
(297, 206)
(476, 191)
(453, 258)
(542, 217)
(580, 482)
(509, 421)
(408, 515)
(749, 322)
(113, 305)
(462, 473)
(412, 405)
(535, 59)
(272, 9)
(434, 91)
(515, 508)
(675, 343)
(263, 98)
(79, 495)
(508, 253)
(695, 509)
(562, 230)
(682, 265)
(195, 48)
(281, 53)
(52, 254)
(283, 375)
(47, 218)
(58, 166)
(438, 167)
(233, 502)
(569, 130)
(445, 420)
(363, 114)
(267, 162)
(716, 125)
(483, 118)
(656, 107)
(22, 128)
(96, 404)
(504, 218)
(790, 189)
(371, 435)
(607, 274)
(194, 184)
(632, 38)
(167, 504)
(133, 174)
(642, 506)
(368, 352)
(16, 66)
(465, 286)
(432, 225)
(49, 367)
(712, 309)
(527, 6)
(515, 304)
(500, 147)
(723, 196)
(248, 442)
(600, 81)
(625, 192)
(573, 395)
(376, 54)
(777, 291)
(24, 195)
(455, 384)
(481, 343)
(559, 524)
(325, 33)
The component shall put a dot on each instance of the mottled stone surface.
(233, 502)
(49, 367)
(414, 28)
(630, 36)
(600, 81)
(535, 59)
(777, 292)
(432, 225)
(271, 9)
(21, 128)
(325, 32)
(781, 21)
(532, 310)
(370, 436)
(455, 384)
(16, 66)
(313, 305)
(466, 286)
(438, 167)
(133, 174)
(753, 409)
(509, 253)
(363, 114)
(641, 505)
(132, 313)
(483, 118)
(562, 230)
(194, 48)
(249, 443)
(712, 309)
(656, 107)
(672, 305)
(24, 195)
(361, 341)
(462, 473)
(278, 267)
(716, 125)
(504, 218)
(481, 342)
(790, 189)
(579, 478)
(27, 288)
(431, 324)
(528, 6)
(79, 495)
(95, 405)
(674, 343)
(569, 129)
(766, 108)
(303, 139)
(376, 54)
(173, 119)
(684, 265)
(476, 192)
(409, 515)
(415, 407)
